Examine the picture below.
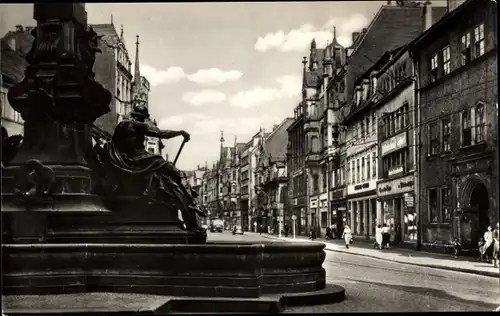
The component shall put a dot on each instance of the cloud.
(288, 86)
(203, 97)
(158, 77)
(214, 76)
(300, 39)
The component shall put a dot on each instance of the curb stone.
(441, 267)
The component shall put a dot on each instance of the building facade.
(396, 187)
(271, 169)
(456, 60)
(297, 184)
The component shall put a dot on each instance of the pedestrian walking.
(488, 243)
(334, 231)
(378, 237)
(456, 246)
(286, 230)
(347, 235)
(482, 249)
(312, 233)
(328, 233)
(386, 236)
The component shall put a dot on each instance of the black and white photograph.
(294, 157)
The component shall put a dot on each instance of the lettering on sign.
(406, 184)
(394, 143)
(385, 188)
(361, 186)
(337, 194)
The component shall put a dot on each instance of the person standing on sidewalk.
(386, 236)
(378, 237)
(347, 235)
(488, 246)
(496, 245)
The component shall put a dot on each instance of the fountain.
(60, 237)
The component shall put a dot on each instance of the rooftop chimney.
(355, 36)
(19, 28)
(427, 15)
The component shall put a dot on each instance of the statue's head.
(140, 112)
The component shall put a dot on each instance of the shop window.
(433, 139)
(466, 128)
(434, 68)
(480, 123)
(479, 41)
(465, 45)
(446, 205)
(446, 60)
(446, 134)
(432, 205)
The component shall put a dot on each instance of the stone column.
(379, 213)
(352, 212)
(366, 220)
(358, 217)
(370, 217)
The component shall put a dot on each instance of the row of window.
(394, 122)
(396, 163)
(472, 126)
(471, 47)
(362, 169)
(366, 127)
(439, 205)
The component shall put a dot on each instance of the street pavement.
(375, 285)
(407, 256)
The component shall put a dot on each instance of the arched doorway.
(479, 203)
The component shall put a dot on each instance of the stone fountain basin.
(225, 269)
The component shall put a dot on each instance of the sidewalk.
(405, 256)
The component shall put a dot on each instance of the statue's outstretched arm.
(153, 131)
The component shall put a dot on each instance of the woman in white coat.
(347, 235)
(378, 236)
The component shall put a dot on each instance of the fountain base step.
(124, 303)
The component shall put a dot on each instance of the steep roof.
(13, 64)
(109, 32)
(392, 27)
(276, 143)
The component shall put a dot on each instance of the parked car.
(237, 230)
(217, 225)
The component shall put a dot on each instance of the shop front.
(398, 208)
(361, 201)
(338, 207)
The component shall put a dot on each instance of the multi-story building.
(405, 20)
(312, 100)
(194, 180)
(271, 168)
(12, 72)
(297, 184)
(122, 67)
(395, 82)
(244, 186)
(456, 61)
(257, 213)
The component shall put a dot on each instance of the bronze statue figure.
(130, 170)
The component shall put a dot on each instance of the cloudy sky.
(234, 67)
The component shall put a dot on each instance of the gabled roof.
(109, 32)
(276, 142)
(392, 27)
